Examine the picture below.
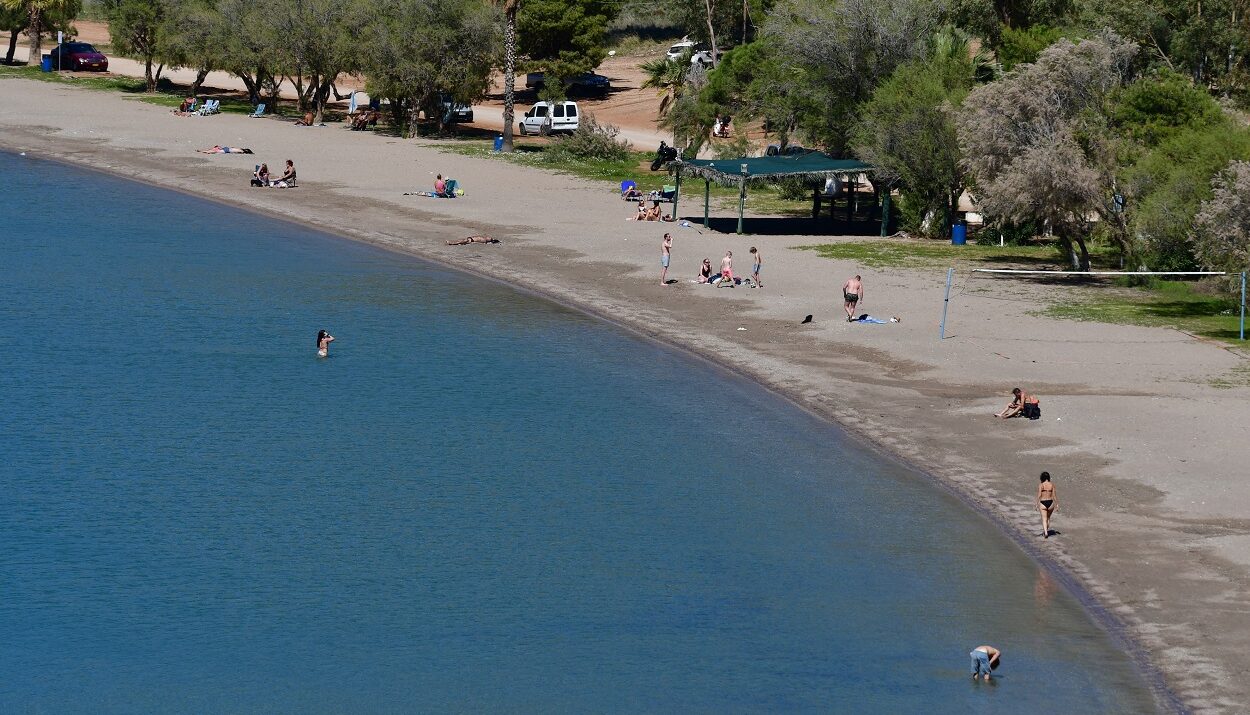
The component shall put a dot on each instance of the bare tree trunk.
(711, 29)
(35, 32)
(8, 59)
(147, 75)
(509, 70)
(414, 117)
(202, 74)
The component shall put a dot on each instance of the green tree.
(412, 43)
(832, 56)
(251, 47)
(563, 38)
(41, 16)
(319, 40)
(907, 130)
(1027, 141)
(1167, 187)
(192, 36)
(1157, 106)
(1206, 40)
(13, 20)
(134, 27)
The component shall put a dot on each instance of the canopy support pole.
(885, 213)
(815, 203)
(676, 193)
(1243, 305)
(707, 195)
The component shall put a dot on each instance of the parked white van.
(550, 117)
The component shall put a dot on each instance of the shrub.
(1221, 238)
(592, 140)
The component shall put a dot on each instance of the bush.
(1221, 237)
(592, 140)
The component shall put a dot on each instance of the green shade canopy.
(764, 169)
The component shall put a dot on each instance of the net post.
(950, 272)
(1243, 305)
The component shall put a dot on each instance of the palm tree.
(510, 8)
(953, 43)
(38, 11)
(668, 76)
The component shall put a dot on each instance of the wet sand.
(1148, 452)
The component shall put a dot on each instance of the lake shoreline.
(526, 262)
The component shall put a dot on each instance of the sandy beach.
(1143, 428)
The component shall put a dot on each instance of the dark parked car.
(78, 56)
(587, 82)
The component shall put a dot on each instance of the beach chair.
(211, 106)
(627, 185)
(260, 111)
(452, 189)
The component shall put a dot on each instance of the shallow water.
(479, 502)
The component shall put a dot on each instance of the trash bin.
(499, 143)
(47, 63)
(959, 234)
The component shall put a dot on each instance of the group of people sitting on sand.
(655, 213)
(261, 177)
(726, 274)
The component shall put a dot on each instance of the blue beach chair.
(260, 111)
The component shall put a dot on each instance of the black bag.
(1032, 410)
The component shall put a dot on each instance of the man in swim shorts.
(757, 262)
(853, 293)
(666, 253)
(985, 658)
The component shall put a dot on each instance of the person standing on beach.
(666, 253)
(727, 267)
(324, 338)
(1047, 502)
(853, 294)
(756, 262)
(985, 658)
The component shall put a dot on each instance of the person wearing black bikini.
(1046, 502)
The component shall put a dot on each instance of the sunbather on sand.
(633, 193)
(306, 121)
(472, 239)
(642, 213)
(218, 149)
(185, 108)
(653, 213)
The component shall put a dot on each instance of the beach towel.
(866, 318)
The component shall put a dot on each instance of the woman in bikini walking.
(1046, 502)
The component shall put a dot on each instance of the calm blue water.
(480, 502)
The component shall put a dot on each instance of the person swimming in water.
(1047, 502)
(324, 339)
